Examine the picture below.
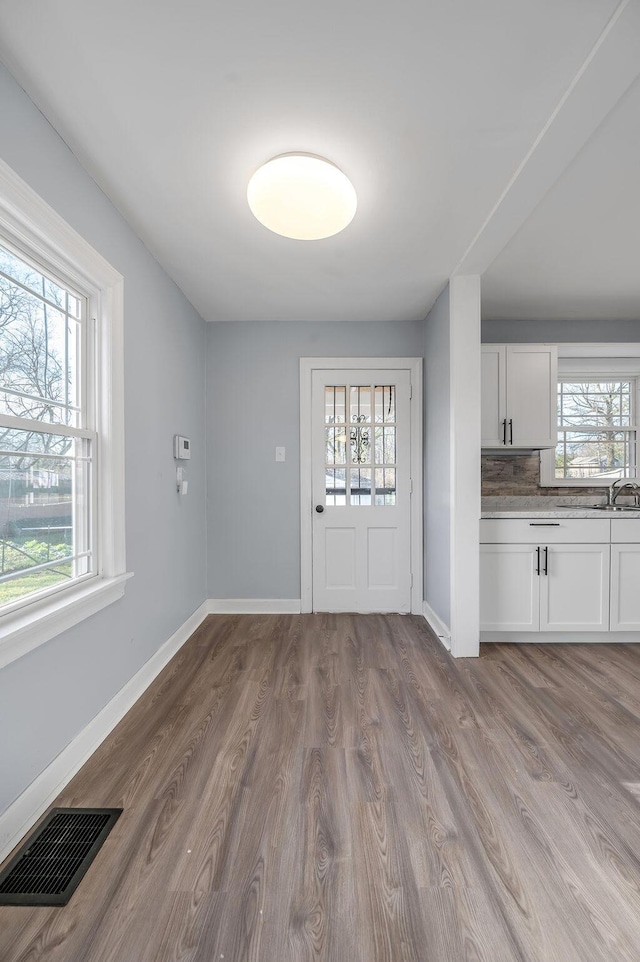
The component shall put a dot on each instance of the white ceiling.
(428, 107)
(578, 255)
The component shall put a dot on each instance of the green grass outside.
(26, 584)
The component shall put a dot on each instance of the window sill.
(28, 628)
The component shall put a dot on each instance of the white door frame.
(307, 366)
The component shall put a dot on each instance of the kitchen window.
(61, 414)
(597, 429)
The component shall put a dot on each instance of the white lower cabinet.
(570, 592)
(560, 583)
(625, 574)
(509, 588)
(574, 588)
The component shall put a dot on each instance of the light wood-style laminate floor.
(336, 787)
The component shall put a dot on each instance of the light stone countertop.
(547, 507)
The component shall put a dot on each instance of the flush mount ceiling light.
(302, 196)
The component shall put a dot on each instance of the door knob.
(319, 508)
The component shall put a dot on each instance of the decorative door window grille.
(360, 443)
(368, 461)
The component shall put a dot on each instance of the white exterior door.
(361, 490)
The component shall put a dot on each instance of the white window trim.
(584, 360)
(35, 227)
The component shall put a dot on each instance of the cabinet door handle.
(546, 561)
(544, 524)
(510, 431)
(504, 431)
(538, 561)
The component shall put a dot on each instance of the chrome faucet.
(618, 485)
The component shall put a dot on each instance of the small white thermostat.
(181, 447)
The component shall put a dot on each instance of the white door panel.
(361, 488)
(339, 557)
(382, 558)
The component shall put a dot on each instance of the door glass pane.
(336, 445)
(335, 479)
(385, 445)
(360, 445)
(360, 486)
(385, 403)
(389, 445)
(334, 404)
(360, 405)
(385, 486)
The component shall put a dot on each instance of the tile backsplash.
(519, 474)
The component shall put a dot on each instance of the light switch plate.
(280, 454)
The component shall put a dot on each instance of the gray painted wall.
(252, 406)
(572, 332)
(67, 681)
(437, 459)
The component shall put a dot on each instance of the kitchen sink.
(614, 507)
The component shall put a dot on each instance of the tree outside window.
(596, 429)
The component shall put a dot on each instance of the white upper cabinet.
(493, 404)
(519, 395)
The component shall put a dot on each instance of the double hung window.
(62, 546)
(597, 429)
(47, 434)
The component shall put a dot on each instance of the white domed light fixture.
(302, 196)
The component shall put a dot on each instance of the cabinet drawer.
(544, 531)
(625, 530)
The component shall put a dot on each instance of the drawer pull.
(544, 524)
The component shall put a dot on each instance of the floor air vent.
(48, 868)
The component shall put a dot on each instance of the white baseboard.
(253, 606)
(437, 626)
(561, 637)
(28, 807)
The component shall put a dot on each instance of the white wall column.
(465, 478)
